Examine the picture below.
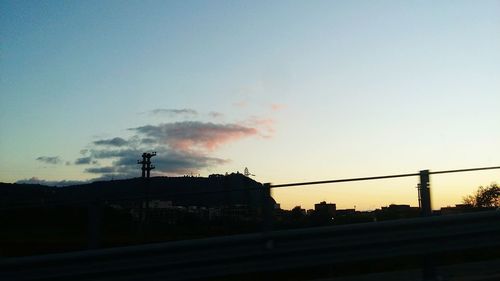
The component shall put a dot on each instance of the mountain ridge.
(215, 190)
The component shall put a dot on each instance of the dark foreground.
(425, 248)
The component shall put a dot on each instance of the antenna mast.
(146, 164)
(247, 173)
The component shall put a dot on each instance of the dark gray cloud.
(193, 135)
(171, 162)
(83, 161)
(123, 162)
(113, 153)
(175, 112)
(148, 141)
(50, 159)
(112, 142)
(215, 114)
(101, 170)
(167, 162)
(185, 164)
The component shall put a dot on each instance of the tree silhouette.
(297, 213)
(484, 197)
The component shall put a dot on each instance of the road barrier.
(272, 254)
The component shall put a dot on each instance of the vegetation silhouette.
(484, 197)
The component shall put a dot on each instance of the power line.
(141, 197)
(380, 177)
(343, 180)
(465, 170)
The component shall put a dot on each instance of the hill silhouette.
(215, 190)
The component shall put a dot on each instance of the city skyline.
(293, 91)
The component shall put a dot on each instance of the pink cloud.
(265, 125)
(194, 135)
(277, 106)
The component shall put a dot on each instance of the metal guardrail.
(240, 255)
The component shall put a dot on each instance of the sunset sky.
(293, 90)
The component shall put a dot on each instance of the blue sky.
(294, 90)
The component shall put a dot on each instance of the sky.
(293, 90)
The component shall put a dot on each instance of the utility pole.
(424, 194)
(146, 164)
(146, 168)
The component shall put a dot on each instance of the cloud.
(182, 147)
(174, 112)
(112, 153)
(167, 162)
(112, 142)
(83, 161)
(148, 141)
(35, 180)
(193, 135)
(184, 163)
(101, 170)
(215, 115)
(49, 159)
(277, 106)
(265, 125)
(171, 162)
